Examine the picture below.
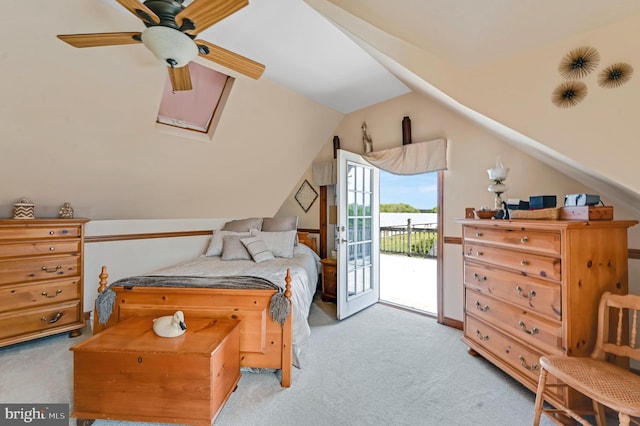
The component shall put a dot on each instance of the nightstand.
(329, 279)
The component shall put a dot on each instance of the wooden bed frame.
(264, 343)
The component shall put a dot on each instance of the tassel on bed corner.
(279, 307)
(104, 305)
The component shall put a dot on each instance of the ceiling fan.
(171, 36)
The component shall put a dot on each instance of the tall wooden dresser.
(41, 271)
(532, 287)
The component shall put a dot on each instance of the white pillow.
(215, 246)
(279, 243)
(257, 249)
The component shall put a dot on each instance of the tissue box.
(542, 201)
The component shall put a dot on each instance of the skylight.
(195, 109)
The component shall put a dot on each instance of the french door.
(358, 234)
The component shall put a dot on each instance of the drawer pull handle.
(479, 277)
(480, 336)
(524, 240)
(44, 268)
(524, 262)
(481, 308)
(44, 293)
(52, 248)
(52, 232)
(54, 319)
(479, 234)
(531, 295)
(531, 367)
(534, 330)
(479, 253)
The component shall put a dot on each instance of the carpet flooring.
(382, 366)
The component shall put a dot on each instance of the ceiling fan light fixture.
(171, 46)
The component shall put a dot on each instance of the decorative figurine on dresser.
(532, 288)
(41, 273)
(66, 211)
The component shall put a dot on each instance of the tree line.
(404, 208)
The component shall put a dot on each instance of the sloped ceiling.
(498, 65)
(90, 112)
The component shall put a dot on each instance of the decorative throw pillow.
(257, 249)
(215, 246)
(277, 224)
(233, 249)
(243, 225)
(281, 244)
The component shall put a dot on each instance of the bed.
(270, 337)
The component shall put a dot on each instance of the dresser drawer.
(39, 248)
(527, 263)
(50, 267)
(541, 297)
(39, 319)
(524, 239)
(543, 334)
(38, 232)
(33, 295)
(525, 361)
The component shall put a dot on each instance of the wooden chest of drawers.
(533, 287)
(41, 289)
(126, 372)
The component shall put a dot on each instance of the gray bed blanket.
(279, 306)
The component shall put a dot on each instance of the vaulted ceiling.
(494, 61)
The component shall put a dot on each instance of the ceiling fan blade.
(180, 78)
(205, 13)
(140, 10)
(231, 60)
(100, 39)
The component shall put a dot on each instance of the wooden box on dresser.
(532, 287)
(41, 289)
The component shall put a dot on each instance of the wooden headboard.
(304, 238)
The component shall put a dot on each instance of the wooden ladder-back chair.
(605, 383)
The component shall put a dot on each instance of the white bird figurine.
(170, 325)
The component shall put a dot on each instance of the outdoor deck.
(409, 281)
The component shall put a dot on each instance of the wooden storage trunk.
(586, 213)
(128, 373)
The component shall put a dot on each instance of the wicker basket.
(543, 214)
(24, 209)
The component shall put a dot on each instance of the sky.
(419, 191)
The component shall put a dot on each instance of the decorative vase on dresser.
(532, 287)
(41, 272)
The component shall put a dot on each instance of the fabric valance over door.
(411, 159)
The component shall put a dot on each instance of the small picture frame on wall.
(306, 196)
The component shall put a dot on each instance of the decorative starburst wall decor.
(615, 75)
(579, 62)
(569, 94)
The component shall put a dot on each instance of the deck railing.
(419, 240)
